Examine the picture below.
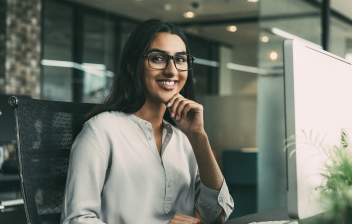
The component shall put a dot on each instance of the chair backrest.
(45, 133)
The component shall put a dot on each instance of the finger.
(171, 101)
(187, 108)
(181, 107)
(185, 219)
(169, 104)
(175, 106)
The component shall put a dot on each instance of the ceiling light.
(265, 39)
(253, 0)
(231, 28)
(273, 55)
(167, 7)
(188, 14)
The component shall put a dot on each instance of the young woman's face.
(161, 85)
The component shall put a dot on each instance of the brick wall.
(20, 49)
(2, 42)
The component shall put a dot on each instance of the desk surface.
(278, 214)
(272, 215)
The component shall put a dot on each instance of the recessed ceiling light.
(188, 14)
(231, 28)
(273, 55)
(265, 39)
(167, 7)
(253, 0)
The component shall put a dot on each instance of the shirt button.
(220, 200)
(150, 138)
(146, 122)
(169, 185)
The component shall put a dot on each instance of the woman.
(128, 164)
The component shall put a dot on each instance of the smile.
(167, 85)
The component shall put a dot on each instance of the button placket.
(150, 137)
(169, 189)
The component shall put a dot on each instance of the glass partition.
(57, 52)
(279, 19)
(341, 38)
(98, 57)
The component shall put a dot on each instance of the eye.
(180, 58)
(157, 58)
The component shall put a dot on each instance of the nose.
(171, 68)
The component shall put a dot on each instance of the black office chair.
(45, 133)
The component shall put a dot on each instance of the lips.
(166, 87)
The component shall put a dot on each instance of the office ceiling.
(213, 11)
(172, 10)
(204, 10)
(342, 6)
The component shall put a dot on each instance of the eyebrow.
(162, 51)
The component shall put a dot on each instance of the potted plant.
(336, 187)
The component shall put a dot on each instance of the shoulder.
(106, 118)
(104, 126)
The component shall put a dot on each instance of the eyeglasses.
(160, 61)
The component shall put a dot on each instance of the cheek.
(183, 83)
(145, 77)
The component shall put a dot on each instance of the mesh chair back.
(45, 132)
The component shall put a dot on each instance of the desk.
(279, 214)
(272, 215)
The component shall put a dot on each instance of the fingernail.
(172, 114)
(169, 104)
(177, 117)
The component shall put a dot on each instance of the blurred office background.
(68, 50)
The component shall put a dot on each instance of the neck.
(153, 113)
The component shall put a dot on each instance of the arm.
(209, 170)
(213, 194)
(85, 180)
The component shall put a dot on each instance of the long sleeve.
(209, 202)
(117, 176)
(89, 160)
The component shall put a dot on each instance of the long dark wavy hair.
(127, 92)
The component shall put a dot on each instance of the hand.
(187, 114)
(183, 219)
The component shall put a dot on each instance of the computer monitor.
(318, 102)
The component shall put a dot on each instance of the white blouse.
(116, 175)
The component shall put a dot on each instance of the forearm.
(209, 170)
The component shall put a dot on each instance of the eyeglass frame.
(168, 60)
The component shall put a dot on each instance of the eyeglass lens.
(159, 61)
